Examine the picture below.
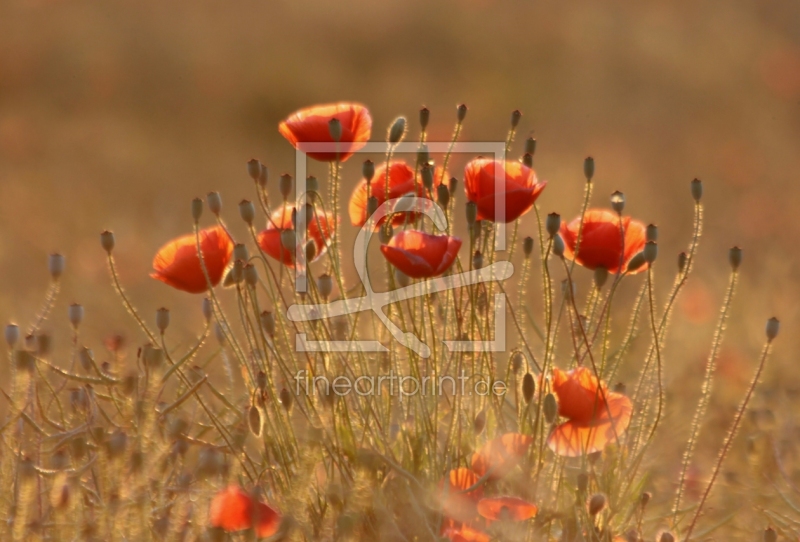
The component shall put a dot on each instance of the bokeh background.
(115, 115)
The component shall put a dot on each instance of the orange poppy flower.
(595, 416)
(602, 243)
(500, 455)
(310, 125)
(421, 255)
(320, 231)
(510, 508)
(177, 264)
(466, 534)
(459, 507)
(518, 188)
(233, 509)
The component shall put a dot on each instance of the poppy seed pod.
(310, 251)
(527, 246)
(618, 202)
(197, 209)
(636, 262)
(697, 189)
(596, 504)
(237, 271)
(55, 265)
(735, 257)
(12, 335)
(285, 397)
(263, 177)
(666, 536)
(528, 387)
(517, 362)
(398, 130)
(582, 482)
(162, 319)
(550, 407)
(325, 286)
(427, 176)
(515, 116)
(240, 252)
(479, 423)
(477, 260)
(650, 251)
(152, 356)
(600, 277)
(368, 170)
(461, 112)
(443, 195)
(289, 239)
(620, 387)
(530, 146)
(285, 185)
(207, 309)
(588, 168)
(527, 160)
(250, 275)
(401, 279)
(682, 259)
(268, 323)
(247, 211)
(214, 201)
(453, 184)
(254, 169)
(773, 326)
(651, 232)
(75, 314)
(312, 184)
(472, 212)
(424, 117)
(107, 241)
(423, 156)
(770, 535)
(645, 498)
(254, 420)
(558, 246)
(553, 223)
(335, 129)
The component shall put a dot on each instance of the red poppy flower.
(500, 455)
(518, 188)
(233, 509)
(177, 264)
(506, 508)
(595, 416)
(466, 534)
(310, 125)
(602, 242)
(421, 255)
(320, 231)
(459, 507)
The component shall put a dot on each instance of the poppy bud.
(773, 326)
(254, 169)
(651, 233)
(75, 314)
(312, 184)
(479, 422)
(636, 262)
(582, 482)
(528, 387)
(386, 233)
(620, 387)
(153, 356)
(240, 252)
(335, 129)
(247, 211)
(214, 203)
(645, 498)
(398, 130)
(289, 239)
(268, 323)
(197, 209)
(236, 273)
(650, 251)
(477, 260)
(530, 146)
(453, 185)
(443, 195)
(55, 265)
(86, 358)
(550, 407)
(527, 246)
(285, 185)
(682, 258)
(618, 202)
(12, 335)
(600, 277)
(472, 212)
(368, 170)
(424, 117)
(515, 116)
(558, 246)
(427, 177)
(250, 275)
(527, 160)
(207, 309)
(401, 279)
(254, 420)
(588, 168)
(697, 190)
(552, 223)
(263, 177)
(517, 361)
(596, 504)
(325, 285)
(285, 397)
(666, 536)
(311, 251)
(423, 157)
(461, 113)
(770, 535)
(372, 205)
(162, 319)
(107, 241)
(735, 257)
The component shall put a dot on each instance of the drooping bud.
(558, 246)
(55, 264)
(250, 275)
(325, 286)
(596, 504)
(527, 246)
(552, 223)
(247, 211)
(75, 314)
(773, 326)
(472, 212)
(443, 195)
(550, 407)
(289, 240)
(651, 233)
(207, 309)
(636, 262)
(312, 184)
(214, 201)
(285, 397)
(515, 116)
(427, 177)
(12, 335)
(600, 277)
(254, 169)
(650, 251)
(398, 130)
(697, 190)
(335, 129)
(107, 241)
(530, 146)
(424, 117)
(528, 387)
(618, 202)
(588, 168)
(461, 113)
(285, 185)
(401, 279)
(682, 259)
(735, 257)
(263, 177)
(479, 422)
(197, 209)
(527, 160)
(268, 323)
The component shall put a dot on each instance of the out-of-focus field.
(114, 115)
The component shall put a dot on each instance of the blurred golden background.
(115, 115)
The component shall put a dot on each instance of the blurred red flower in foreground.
(421, 255)
(602, 241)
(177, 264)
(500, 455)
(466, 534)
(595, 416)
(311, 125)
(506, 508)
(233, 509)
(320, 231)
(459, 507)
(518, 188)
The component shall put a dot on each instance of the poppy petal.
(500, 455)
(231, 510)
(177, 264)
(421, 255)
(511, 508)
(311, 125)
